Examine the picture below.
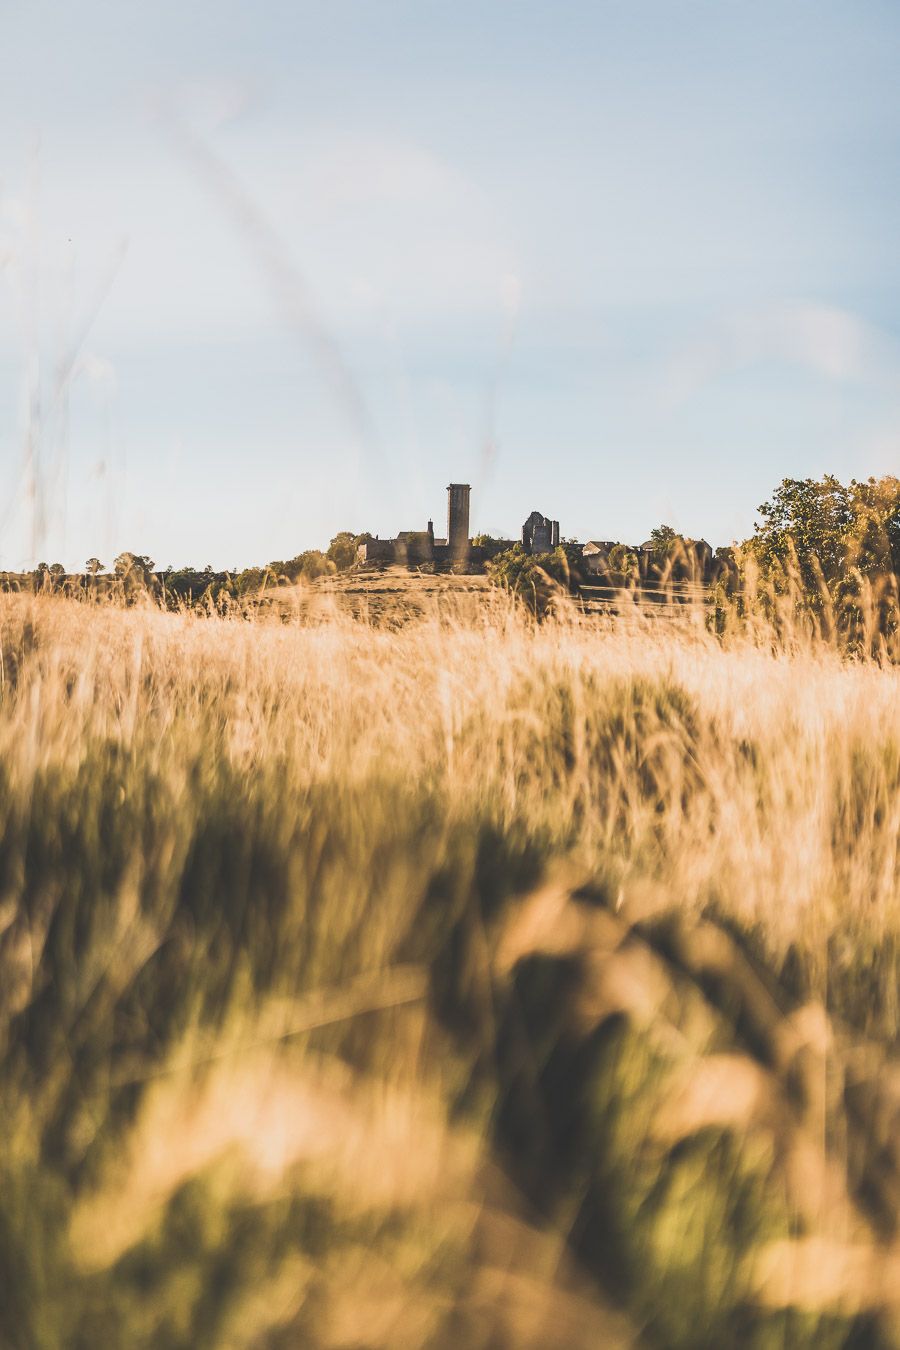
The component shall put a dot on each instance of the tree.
(874, 542)
(808, 520)
(538, 578)
(664, 540)
(824, 524)
(137, 566)
(314, 563)
(342, 550)
(623, 564)
(250, 579)
(135, 573)
(93, 566)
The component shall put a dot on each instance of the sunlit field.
(463, 982)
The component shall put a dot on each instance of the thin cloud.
(828, 341)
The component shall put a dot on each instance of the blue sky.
(272, 270)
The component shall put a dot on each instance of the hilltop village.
(597, 565)
(539, 534)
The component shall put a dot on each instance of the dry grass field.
(390, 596)
(462, 982)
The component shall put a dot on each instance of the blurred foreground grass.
(467, 984)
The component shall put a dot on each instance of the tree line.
(133, 573)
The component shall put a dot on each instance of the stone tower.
(458, 520)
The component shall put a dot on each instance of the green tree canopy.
(342, 550)
(825, 524)
(536, 577)
(307, 565)
(874, 543)
(808, 519)
(134, 565)
(623, 562)
(314, 563)
(664, 539)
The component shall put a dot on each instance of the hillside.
(388, 594)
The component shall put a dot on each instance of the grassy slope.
(464, 983)
(384, 596)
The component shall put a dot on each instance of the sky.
(273, 270)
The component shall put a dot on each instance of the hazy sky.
(269, 270)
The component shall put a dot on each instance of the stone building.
(539, 534)
(415, 547)
(458, 520)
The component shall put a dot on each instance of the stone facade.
(691, 561)
(416, 548)
(539, 533)
(458, 520)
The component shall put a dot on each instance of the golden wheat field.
(468, 981)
